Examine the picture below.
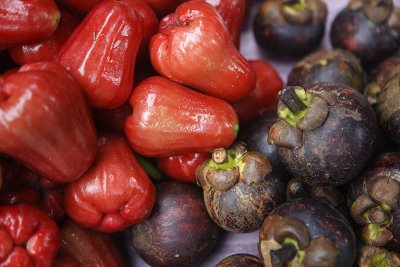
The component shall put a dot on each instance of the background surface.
(247, 243)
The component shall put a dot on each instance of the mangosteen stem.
(220, 155)
(294, 102)
(283, 255)
(289, 97)
(378, 216)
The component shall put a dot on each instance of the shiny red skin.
(114, 193)
(46, 122)
(264, 95)
(27, 21)
(233, 13)
(52, 203)
(194, 47)
(101, 53)
(170, 119)
(88, 248)
(150, 25)
(45, 50)
(183, 167)
(29, 237)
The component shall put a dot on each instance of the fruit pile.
(138, 128)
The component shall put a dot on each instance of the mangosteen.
(337, 65)
(379, 76)
(370, 256)
(240, 188)
(326, 133)
(374, 201)
(179, 231)
(307, 232)
(388, 108)
(333, 195)
(255, 135)
(368, 28)
(240, 260)
(290, 28)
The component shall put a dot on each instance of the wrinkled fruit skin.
(29, 237)
(42, 105)
(321, 220)
(386, 166)
(179, 231)
(240, 260)
(336, 152)
(239, 197)
(114, 193)
(337, 65)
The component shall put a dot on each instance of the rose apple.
(27, 21)
(46, 122)
(101, 53)
(194, 47)
(114, 193)
(28, 237)
(171, 119)
(45, 50)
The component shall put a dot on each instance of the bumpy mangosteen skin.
(379, 76)
(255, 135)
(283, 39)
(383, 165)
(337, 151)
(243, 207)
(323, 219)
(335, 65)
(371, 42)
(240, 260)
(179, 231)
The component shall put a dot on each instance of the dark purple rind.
(323, 219)
(336, 152)
(179, 231)
(371, 42)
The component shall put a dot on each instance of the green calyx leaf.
(293, 118)
(300, 253)
(378, 260)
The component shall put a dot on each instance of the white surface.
(247, 243)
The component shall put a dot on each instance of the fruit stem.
(296, 101)
(294, 4)
(283, 255)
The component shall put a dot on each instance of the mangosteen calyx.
(229, 166)
(376, 256)
(378, 11)
(287, 239)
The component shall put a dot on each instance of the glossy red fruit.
(150, 26)
(88, 248)
(194, 47)
(264, 95)
(182, 167)
(171, 119)
(28, 237)
(233, 14)
(45, 50)
(27, 21)
(114, 193)
(46, 122)
(101, 53)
